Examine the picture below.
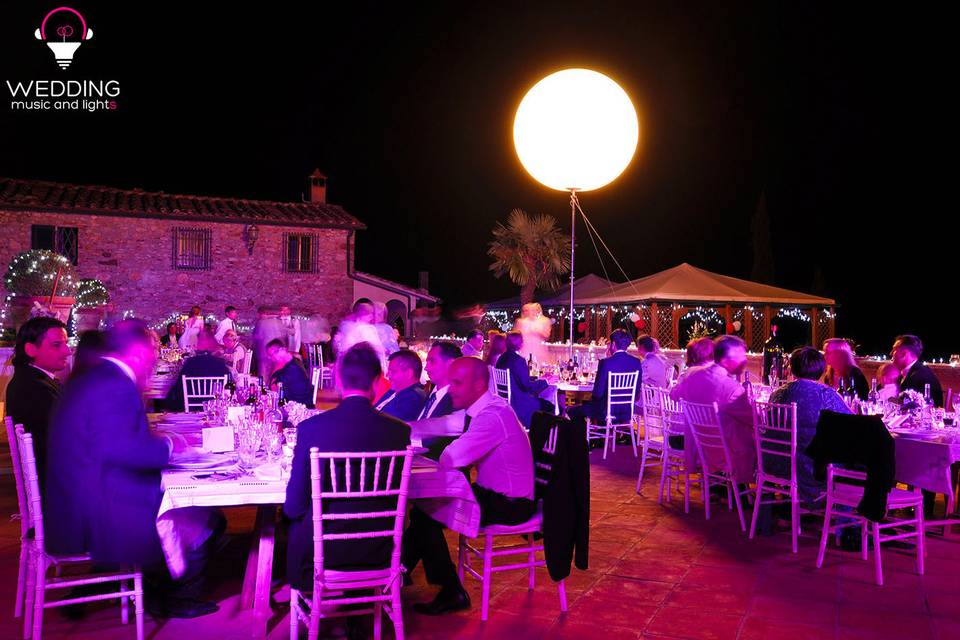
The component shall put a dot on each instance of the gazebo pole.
(814, 323)
(654, 321)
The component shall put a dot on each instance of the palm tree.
(531, 250)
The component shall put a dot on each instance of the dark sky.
(839, 114)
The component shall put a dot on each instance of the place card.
(218, 439)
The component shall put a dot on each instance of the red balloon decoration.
(640, 324)
(582, 327)
(730, 329)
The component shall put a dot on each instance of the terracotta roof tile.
(99, 200)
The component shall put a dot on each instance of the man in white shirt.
(473, 347)
(717, 382)
(291, 329)
(229, 323)
(493, 440)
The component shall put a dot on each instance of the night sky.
(837, 113)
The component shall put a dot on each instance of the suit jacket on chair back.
(566, 494)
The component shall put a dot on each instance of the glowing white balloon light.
(576, 130)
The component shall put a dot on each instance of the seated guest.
(497, 346)
(202, 364)
(103, 482)
(914, 374)
(807, 366)
(654, 364)
(289, 372)
(405, 398)
(473, 347)
(234, 353)
(619, 362)
(439, 358)
(887, 376)
(717, 382)
(699, 352)
(524, 392)
(354, 425)
(170, 339)
(493, 440)
(41, 352)
(842, 367)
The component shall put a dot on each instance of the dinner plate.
(201, 460)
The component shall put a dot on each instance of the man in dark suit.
(289, 372)
(41, 351)
(619, 362)
(354, 425)
(203, 364)
(441, 355)
(171, 339)
(914, 374)
(405, 398)
(103, 480)
(524, 392)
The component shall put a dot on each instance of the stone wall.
(134, 259)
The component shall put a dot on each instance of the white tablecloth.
(924, 460)
(444, 494)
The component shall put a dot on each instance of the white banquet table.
(444, 494)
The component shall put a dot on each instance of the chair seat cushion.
(530, 526)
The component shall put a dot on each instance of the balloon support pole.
(574, 205)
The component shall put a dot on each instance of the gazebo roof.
(686, 283)
(590, 285)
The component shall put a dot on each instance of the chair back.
(501, 381)
(31, 483)
(18, 474)
(674, 424)
(315, 355)
(199, 389)
(359, 476)
(247, 361)
(315, 382)
(775, 436)
(652, 413)
(621, 392)
(703, 421)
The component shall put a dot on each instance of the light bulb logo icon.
(63, 49)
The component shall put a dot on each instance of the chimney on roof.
(318, 187)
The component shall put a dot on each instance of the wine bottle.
(281, 399)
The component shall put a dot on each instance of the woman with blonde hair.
(842, 366)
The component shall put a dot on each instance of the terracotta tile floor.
(655, 573)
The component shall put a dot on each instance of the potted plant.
(91, 306)
(39, 282)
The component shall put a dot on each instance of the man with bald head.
(493, 440)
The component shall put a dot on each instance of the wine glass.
(249, 444)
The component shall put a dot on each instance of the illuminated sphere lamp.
(576, 130)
